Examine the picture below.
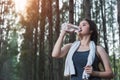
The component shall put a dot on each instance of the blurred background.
(30, 28)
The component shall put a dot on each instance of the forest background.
(29, 29)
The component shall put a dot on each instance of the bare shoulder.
(101, 51)
(100, 48)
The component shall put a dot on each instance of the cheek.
(86, 30)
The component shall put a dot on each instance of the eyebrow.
(84, 23)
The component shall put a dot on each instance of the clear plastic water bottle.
(70, 27)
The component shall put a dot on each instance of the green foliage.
(13, 43)
(10, 69)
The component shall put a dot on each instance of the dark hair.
(93, 28)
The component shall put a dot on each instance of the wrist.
(93, 73)
(62, 33)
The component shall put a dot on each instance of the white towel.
(69, 66)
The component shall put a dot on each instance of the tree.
(35, 42)
(87, 8)
(103, 14)
(118, 17)
(28, 55)
(57, 26)
(71, 18)
(50, 38)
(59, 62)
(43, 13)
(8, 40)
(111, 21)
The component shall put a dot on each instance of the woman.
(87, 33)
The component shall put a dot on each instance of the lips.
(80, 30)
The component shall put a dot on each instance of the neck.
(85, 40)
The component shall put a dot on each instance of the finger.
(88, 66)
(88, 71)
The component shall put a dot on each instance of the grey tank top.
(79, 60)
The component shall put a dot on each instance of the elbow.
(110, 75)
(55, 55)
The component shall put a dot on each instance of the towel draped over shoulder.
(69, 66)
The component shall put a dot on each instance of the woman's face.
(84, 28)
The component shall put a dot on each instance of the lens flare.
(20, 5)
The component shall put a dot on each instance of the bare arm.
(105, 59)
(58, 50)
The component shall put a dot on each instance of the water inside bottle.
(70, 27)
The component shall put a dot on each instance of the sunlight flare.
(20, 5)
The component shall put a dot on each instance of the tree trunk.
(57, 27)
(118, 17)
(96, 16)
(103, 12)
(50, 38)
(27, 54)
(59, 62)
(71, 18)
(41, 66)
(87, 8)
(1, 39)
(35, 62)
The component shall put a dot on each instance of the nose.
(80, 27)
